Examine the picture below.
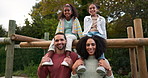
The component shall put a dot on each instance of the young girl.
(94, 25)
(90, 49)
(68, 24)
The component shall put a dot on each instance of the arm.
(60, 27)
(78, 26)
(103, 24)
(74, 67)
(85, 27)
(107, 66)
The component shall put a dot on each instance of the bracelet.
(109, 69)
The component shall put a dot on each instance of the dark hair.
(97, 6)
(60, 33)
(74, 12)
(100, 46)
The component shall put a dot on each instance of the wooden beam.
(17, 37)
(125, 43)
(5, 41)
(140, 49)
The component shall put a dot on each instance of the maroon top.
(57, 70)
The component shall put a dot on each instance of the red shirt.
(57, 70)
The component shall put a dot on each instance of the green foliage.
(23, 57)
(29, 71)
(2, 59)
(119, 60)
(2, 32)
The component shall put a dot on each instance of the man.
(57, 70)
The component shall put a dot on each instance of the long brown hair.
(74, 12)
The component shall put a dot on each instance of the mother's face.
(90, 46)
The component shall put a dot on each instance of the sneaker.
(101, 70)
(64, 63)
(48, 63)
(81, 69)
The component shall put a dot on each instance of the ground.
(15, 77)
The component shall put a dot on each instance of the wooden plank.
(17, 37)
(140, 49)
(125, 43)
(5, 40)
(132, 54)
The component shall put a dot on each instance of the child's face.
(90, 46)
(67, 12)
(92, 9)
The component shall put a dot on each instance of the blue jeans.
(90, 34)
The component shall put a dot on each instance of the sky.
(15, 10)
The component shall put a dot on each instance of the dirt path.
(15, 77)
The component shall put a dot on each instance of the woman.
(90, 49)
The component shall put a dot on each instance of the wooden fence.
(136, 44)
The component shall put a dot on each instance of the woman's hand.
(106, 65)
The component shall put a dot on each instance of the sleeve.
(74, 56)
(74, 76)
(79, 29)
(112, 76)
(104, 27)
(84, 32)
(59, 27)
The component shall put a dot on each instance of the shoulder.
(75, 19)
(87, 17)
(73, 54)
(101, 17)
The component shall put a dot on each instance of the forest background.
(119, 15)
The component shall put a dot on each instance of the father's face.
(59, 42)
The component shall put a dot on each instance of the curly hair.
(100, 46)
(74, 12)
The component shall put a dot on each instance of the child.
(68, 24)
(94, 25)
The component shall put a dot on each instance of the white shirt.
(101, 25)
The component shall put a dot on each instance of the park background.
(119, 15)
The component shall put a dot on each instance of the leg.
(70, 39)
(101, 69)
(81, 68)
(49, 54)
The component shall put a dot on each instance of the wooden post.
(10, 51)
(46, 37)
(140, 49)
(132, 54)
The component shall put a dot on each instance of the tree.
(2, 32)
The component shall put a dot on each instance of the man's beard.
(61, 48)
